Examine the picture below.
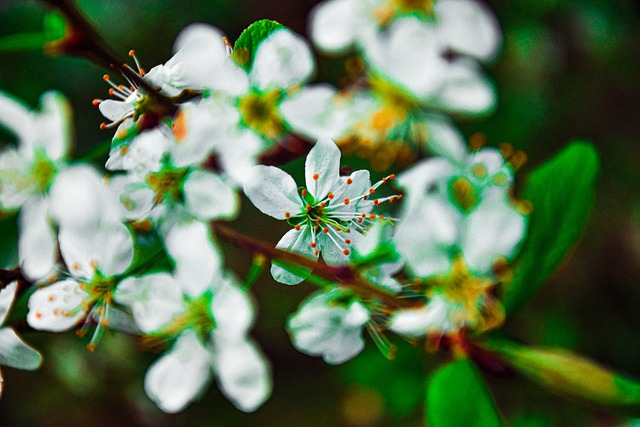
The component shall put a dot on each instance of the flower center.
(463, 194)
(166, 183)
(259, 111)
(384, 14)
(42, 172)
(475, 306)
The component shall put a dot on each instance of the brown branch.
(345, 275)
(83, 40)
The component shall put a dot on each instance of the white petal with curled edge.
(469, 27)
(273, 191)
(334, 25)
(493, 230)
(7, 295)
(321, 328)
(107, 248)
(37, 245)
(414, 323)
(196, 130)
(322, 168)
(54, 125)
(155, 300)
(426, 177)
(146, 151)
(115, 110)
(465, 90)
(196, 256)
(16, 353)
(57, 307)
(282, 60)
(207, 197)
(297, 241)
(243, 373)
(318, 112)
(232, 309)
(17, 118)
(180, 375)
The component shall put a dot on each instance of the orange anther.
(346, 252)
(297, 227)
(325, 230)
(315, 176)
(103, 126)
(132, 52)
(287, 214)
(313, 244)
(330, 196)
(106, 77)
(349, 181)
(96, 102)
(346, 201)
(371, 191)
(348, 242)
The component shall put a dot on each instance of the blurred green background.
(568, 69)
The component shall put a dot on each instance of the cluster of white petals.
(134, 250)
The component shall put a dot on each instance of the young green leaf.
(458, 396)
(571, 375)
(562, 194)
(245, 47)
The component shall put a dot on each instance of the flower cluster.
(135, 249)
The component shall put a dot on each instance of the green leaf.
(22, 42)
(571, 375)
(8, 242)
(247, 44)
(458, 396)
(562, 194)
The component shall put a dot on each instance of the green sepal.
(149, 254)
(561, 192)
(571, 375)
(458, 396)
(54, 26)
(247, 44)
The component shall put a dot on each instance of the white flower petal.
(273, 191)
(107, 248)
(232, 309)
(16, 353)
(54, 125)
(317, 111)
(465, 90)
(37, 244)
(494, 229)
(282, 60)
(426, 236)
(243, 373)
(414, 323)
(469, 27)
(445, 139)
(322, 168)
(298, 241)
(115, 110)
(57, 307)
(15, 117)
(409, 53)
(7, 295)
(180, 375)
(196, 256)
(155, 300)
(79, 198)
(334, 25)
(321, 327)
(207, 197)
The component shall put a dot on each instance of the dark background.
(568, 69)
